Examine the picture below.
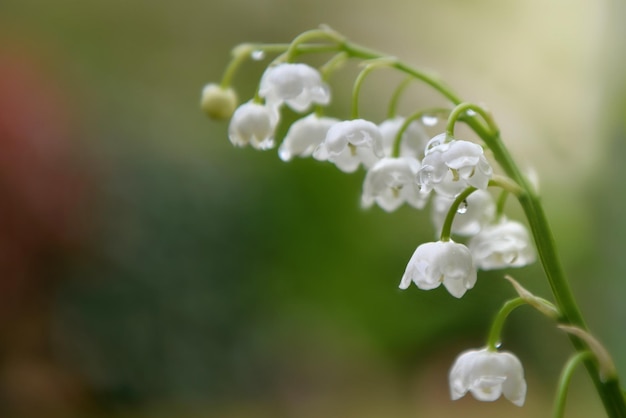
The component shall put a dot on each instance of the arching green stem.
(405, 125)
(322, 33)
(358, 82)
(333, 65)
(493, 340)
(500, 204)
(446, 230)
(565, 379)
(462, 111)
(240, 53)
(395, 97)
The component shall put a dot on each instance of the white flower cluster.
(441, 168)
(407, 168)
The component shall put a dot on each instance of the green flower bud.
(218, 102)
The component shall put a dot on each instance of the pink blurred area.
(44, 195)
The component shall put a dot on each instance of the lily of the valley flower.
(391, 182)
(487, 375)
(439, 262)
(505, 244)
(297, 85)
(254, 124)
(304, 136)
(450, 167)
(350, 143)
(412, 142)
(477, 211)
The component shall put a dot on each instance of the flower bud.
(218, 102)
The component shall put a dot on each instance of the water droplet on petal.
(284, 154)
(470, 112)
(258, 55)
(429, 120)
(462, 207)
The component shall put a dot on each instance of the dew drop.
(470, 112)
(429, 120)
(498, 344)
(258, 55)
(284, 154)
(462, 207)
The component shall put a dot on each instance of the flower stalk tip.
(607, 368)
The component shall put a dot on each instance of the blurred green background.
(150, 269)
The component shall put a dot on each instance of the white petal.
(304, 136)
(435, 262)
(505, 244)
(253, 124)
(350, 143)
(462, 154)
(298, 85)
(487, 375)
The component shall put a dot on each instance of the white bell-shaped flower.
(351, 143)
(391, 182)
(487, 375)
(254, 124)
(501, 245)
(304, 136)
(412, 142)
(449, 167)
(297, 85)
(477, 211)
(439, 262)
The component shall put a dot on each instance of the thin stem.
(446, 230)
(358, 82)
(356, 90)
(243, 52)
(565, 380)
(506, 184)
(395, 97)
(307, 36)
(405, 125)
(463, 110)
(332, 65)
(501, 203)
(493, 340)
(240, 54)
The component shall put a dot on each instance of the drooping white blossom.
(487, 375)
(351, 143)
(472, 215)
(434, 263)
(412, 142)
(504, 244)
(304, 136)
(297, 85)
(253, 124)
(449, 167)
(391, 182)
(218, 102)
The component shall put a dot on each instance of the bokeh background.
(150, 269)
